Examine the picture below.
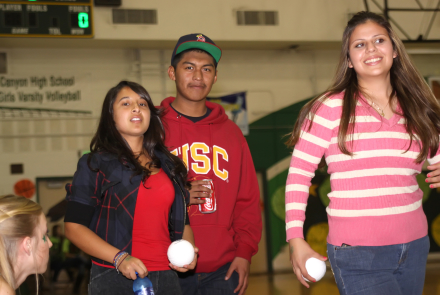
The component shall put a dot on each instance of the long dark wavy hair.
(419, 106)
(108, 139)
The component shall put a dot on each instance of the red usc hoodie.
(215, 148)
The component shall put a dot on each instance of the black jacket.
(105, 200)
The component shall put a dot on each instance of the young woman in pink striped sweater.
(375, 126)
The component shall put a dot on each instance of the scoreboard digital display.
(49, 18)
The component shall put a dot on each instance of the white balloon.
(316, 268)
(180, 253)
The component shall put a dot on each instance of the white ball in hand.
(316, 268)
(180, 253)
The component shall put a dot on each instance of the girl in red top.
(126, 203)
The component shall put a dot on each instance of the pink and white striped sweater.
(375, 199)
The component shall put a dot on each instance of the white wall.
(299, 21)
(311, 20)
(41, 144)
(48, 146)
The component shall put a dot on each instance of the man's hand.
(198, 191)
(241, 266)
(434, 176)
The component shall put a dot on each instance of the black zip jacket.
(105, 200)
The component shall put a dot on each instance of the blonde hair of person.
(18, 219)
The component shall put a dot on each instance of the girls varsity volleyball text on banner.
(57, 92)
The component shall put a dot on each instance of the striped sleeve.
(305, 159)
(435, 159)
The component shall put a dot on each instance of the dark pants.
(107, 281)
(212, 283)
(382, 270)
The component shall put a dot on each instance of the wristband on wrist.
(121, 260)
(117, 258)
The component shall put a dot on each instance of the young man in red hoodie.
(212, 147)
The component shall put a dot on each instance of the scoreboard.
(48, 18)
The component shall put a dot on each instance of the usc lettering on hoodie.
(215, 148)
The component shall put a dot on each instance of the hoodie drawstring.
(211, 146)
(179, 117)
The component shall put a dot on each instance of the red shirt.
(151, 236)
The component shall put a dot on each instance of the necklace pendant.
(378, 109)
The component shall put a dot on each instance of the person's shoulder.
(328, 107)
(232, 127)
(332, 100)
(161, 155)
(234, 134)
(335, 96)
(98, 161)
(5, 289)
(84, 160)
(99, 156)
(328, 104)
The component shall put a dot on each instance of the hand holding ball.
(316, 268)
(180, 253)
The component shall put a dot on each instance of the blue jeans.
(107, 281)
(382, 270)
(211, 283)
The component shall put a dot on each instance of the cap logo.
(200, 38)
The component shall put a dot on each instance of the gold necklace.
(377, 108)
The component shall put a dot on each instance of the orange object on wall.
(25, 188)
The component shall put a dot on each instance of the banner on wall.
(36, 92)
(235, 107)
